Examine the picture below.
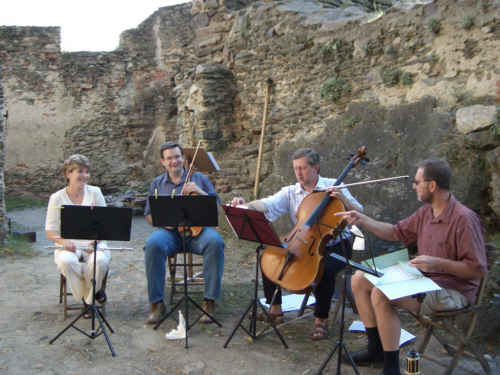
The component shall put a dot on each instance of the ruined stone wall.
(198, 72)
(3, 226)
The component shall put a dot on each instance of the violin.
(298, 265)
(195, 231)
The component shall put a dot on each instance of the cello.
(298, 265)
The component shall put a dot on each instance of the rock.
(475, 117)
(195, 368)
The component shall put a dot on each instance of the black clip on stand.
(340, 342)
(184, 211)
(252, 225)
(94, 223)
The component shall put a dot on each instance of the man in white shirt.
(286, 201)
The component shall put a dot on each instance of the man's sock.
(391, 362)
(374, 343)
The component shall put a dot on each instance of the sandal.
(101, 297)
(262, 317)
(320, 332)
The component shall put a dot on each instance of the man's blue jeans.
(163, 243)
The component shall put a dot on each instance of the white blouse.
(92, 196)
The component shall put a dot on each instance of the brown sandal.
(320, 332)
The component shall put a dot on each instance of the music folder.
(184, 210)
(101, 223)
(251, 225)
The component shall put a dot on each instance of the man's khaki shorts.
(442, 300)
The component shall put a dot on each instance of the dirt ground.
(30, 316)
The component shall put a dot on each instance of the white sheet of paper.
(291, 302)
(402, 280)
(358, 326)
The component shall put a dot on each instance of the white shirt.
(92, 196)
(288, 199)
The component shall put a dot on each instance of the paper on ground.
(358, 326)
(180, 332)
(291, 302)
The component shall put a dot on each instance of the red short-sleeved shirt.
(456, 234)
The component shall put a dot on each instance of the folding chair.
(193, 278)
(446, 320)
(63, 295)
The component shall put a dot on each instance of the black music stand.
(340, 342)
(94, 223)
(253, 226)
(185, 211)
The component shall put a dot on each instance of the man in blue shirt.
(287, 201)
(167, 241)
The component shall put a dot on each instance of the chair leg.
(338, 304)
(65, 296)
(303, 305)
(60, 288)
(172, 266)
(427, 338)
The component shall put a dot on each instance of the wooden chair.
(446, 320)
(64, 293)
(194, 273)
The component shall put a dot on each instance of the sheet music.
(212, 159)
(291, 302)
(400, 279)
(405, 337)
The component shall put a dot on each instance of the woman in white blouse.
(75, 259)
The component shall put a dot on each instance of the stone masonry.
(343, 77)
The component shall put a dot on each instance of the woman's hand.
(68, 245)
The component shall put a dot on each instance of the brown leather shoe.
(157, 311)
(209, 307)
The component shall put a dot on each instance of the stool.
(63, 294)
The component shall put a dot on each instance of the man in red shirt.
(451, 252)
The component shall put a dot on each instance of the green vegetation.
(12, 204)
(406, 78)
(468, 22)
(334, 87)
(351, 121)
(433, 57)
(337, 48)
(16, 245)
(434, 25)
(390, 76)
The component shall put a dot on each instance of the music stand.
(253, 226)
(340, 342)
(98, 224)
(185, 211)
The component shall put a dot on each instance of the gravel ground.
(31, 316)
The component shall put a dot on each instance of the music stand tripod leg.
(254, 303)
(340, 342)
(95, 313)
(185, 299)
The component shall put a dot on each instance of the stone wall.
(199, 72)
(3, 226)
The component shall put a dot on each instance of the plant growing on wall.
(333, 88)
(434, 25)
